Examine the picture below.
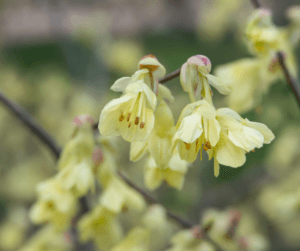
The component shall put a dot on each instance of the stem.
(170, 76)
(26, 118)
(289, 79)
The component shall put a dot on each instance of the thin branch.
(170, 76)
(289, 79)
(31, 124)
(256, 4)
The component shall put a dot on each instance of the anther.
(129, 124)
(128, 117)
(206, 146)
(187, 146)
(142, 125)
(137, 120)
(121, 117)
(253, 150)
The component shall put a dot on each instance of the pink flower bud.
(201, 61)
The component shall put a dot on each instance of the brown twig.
(31, 124)
(289, 79)
(170, 76)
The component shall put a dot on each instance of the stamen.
(137, 120)
(128, 117)
(187, 146)
(142, 125)
(121, 117)
(129, 124)
(253, 150)
(206, 146)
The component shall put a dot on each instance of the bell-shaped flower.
(225, 135)
(196, 80)
(130, 115)
(138, 238)
(173, 173)
(190, 240)
(54, 204)
(150, 70)
(48, 237)
(78, 177)
(196, 126)
(101, 226)
(80, 147)
(118, 196)
(156, 220)
(160, 141)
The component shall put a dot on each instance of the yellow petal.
(138, 149)
(263, 129)
(190, 128)
(121, 84)
(217, 83)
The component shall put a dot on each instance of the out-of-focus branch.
(26, 118)
(289, 79)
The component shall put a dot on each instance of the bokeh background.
(58, 60)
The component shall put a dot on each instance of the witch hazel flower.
(196, 80)
(224, 134)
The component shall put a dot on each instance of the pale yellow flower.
(47, 238)
(130, 115)
(189, 240)
(118, 195)
(55, 205)
(173, 173)
(196, 80)
(101, 226)
(160, 141)
(80, 147)
(224, 135)
(137, 239)
(156, 220)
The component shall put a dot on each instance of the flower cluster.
(222, 133)
(250, 78)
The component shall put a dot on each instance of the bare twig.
(289, 79)
(170, 76)
(31, 124)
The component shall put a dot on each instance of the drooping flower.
(189, 239)
(138, 238)
(55, 205)
(173, 173)
(75, 164)
(223, 133)
(160, 140)
(118, 196)
(130, 115)
(196, 80)
(101, 226)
